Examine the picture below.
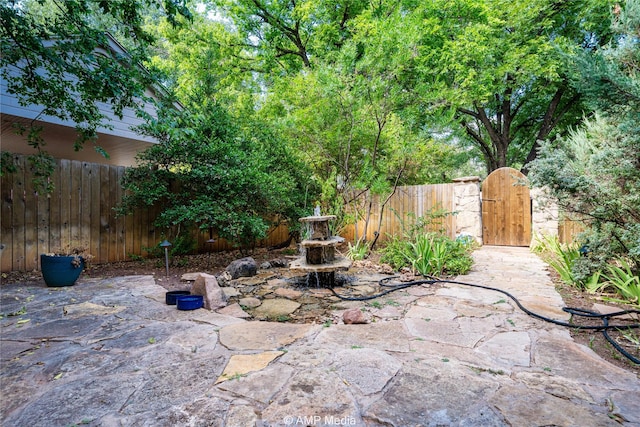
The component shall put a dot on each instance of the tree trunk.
(491, 127)
(551, 118)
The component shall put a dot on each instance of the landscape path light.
(210, 242)
(165, 244)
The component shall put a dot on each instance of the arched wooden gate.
(506, 209)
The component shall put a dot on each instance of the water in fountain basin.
(313, 280)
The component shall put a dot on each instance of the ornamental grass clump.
(560, 256)
(622, 281)
(430, 254)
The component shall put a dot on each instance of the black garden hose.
(604, 328)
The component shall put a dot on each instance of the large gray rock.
(243, 267)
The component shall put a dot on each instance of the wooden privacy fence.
(406, 204)
(462, 198)
(569, 228)
(79, 212)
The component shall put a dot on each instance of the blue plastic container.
(189, 302)
(171, 296)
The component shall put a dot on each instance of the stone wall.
(544, 215)
(467, 207)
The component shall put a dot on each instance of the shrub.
(213, 171)
(181, 244)
(429, 254)
(594, 170)
(393, 252)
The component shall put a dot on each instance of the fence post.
(468, 217)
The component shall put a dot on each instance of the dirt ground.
(595, 340)
(215, 263)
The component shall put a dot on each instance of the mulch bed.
(595, 340)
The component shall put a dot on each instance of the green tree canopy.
(218, 166)
(595, 171)
(283, 36)
(49, 58)
(495, 68)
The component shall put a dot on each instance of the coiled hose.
(605, 318)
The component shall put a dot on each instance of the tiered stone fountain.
(319, 259)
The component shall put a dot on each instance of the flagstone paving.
(111, 353)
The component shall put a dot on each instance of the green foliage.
(561, 257)
(49, 59)
(413, 226)
(181, 244)
(215, 172)
(622, 280)
(354, 144)
(498, 87)
(135, 257)
(459, 260)
(429, 254)
(424, 246)
(393, 252)
(286, 36)
(200, 61)
(358, 251)
(595, 171)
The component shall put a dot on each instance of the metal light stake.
(210, 242)
(166, 245)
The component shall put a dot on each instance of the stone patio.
(111, 353)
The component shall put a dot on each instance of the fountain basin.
(331, 241)
(338, 264)
(318, 226)
(317, 218)
(320, 251)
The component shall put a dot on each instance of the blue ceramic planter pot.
(60, 270)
